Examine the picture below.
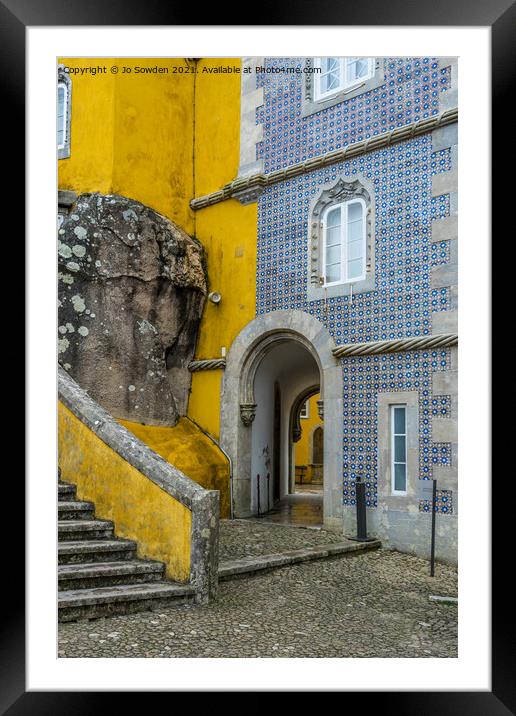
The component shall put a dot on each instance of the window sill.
(319, 293)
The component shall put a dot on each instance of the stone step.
(66, 491)
(75, 510)
(84, 529)
(121, 599)
(234, 568)
(90, 550)
(105, 574)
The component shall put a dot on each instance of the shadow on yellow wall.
(187, 448)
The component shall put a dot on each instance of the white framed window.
(305, 411)
(357, 69)
(339, 74)
(398, 425)
(62, 109)
(344, 242)
(64, 115)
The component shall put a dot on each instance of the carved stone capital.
(320, 409)
(296, 434)
(247, 413)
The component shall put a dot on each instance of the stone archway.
(239, 402)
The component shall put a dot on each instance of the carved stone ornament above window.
(310, 105)
(342, 190)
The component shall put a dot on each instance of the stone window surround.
(386, 500)
(343, 83)
(64, 78)
(342, 189)
(310, 106)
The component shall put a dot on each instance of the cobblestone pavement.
(373, 604)
(248, 538)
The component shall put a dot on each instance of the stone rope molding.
(442, 340)
(255, 183)
(209, 364)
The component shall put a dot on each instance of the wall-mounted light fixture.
(215, 297)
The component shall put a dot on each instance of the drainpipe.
(210, 437)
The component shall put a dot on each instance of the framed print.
(267, 308)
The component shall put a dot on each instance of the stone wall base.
(407, 531)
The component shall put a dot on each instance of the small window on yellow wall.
(62, 100)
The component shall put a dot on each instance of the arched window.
(344, 242)
(341, 239)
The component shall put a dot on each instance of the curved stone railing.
(182, 529)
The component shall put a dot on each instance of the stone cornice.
(442, 340)
(251, 186)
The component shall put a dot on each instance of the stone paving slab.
(372, 604)
(246, 565)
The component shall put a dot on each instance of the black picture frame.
(15, 17)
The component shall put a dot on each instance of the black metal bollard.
(361, 513)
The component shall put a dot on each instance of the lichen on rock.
(138, 288)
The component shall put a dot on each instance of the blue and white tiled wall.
(410, 93)
(403, 302)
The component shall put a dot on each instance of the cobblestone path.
(248, 538)
(373, 604)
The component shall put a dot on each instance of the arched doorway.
(270, 363)
(307, 428)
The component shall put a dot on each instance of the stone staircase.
(98, 574)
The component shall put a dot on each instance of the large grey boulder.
(132, 287)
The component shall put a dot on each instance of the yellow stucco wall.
(227, 231)
(90, 165)
(217, 125)
(132, 134)
(188, 449)
(163, 139)
(140, 509)
(302, 447)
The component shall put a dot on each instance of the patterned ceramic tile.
(403, 301)
(443, 503)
